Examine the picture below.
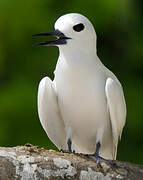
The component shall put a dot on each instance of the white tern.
(83, 109)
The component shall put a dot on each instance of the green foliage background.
(119, 26)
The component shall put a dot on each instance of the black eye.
(78, 27)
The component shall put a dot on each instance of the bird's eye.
(78, 27)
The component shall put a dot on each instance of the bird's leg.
(69, 143)
(95, 156)
(98, 145)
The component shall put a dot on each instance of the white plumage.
(85, 101)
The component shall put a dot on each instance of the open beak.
(61, 38)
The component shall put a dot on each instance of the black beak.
(61, 38)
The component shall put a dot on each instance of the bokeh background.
(119, 26)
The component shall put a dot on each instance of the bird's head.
(71, 30)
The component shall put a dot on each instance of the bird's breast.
(81, 98)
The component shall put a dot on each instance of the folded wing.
(117, 108)
(49, 113)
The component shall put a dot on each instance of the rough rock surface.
(31, 162)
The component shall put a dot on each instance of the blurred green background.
(119, 26)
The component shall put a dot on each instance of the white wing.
(49, 113)
(117, 108)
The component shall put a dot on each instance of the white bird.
(83, 109)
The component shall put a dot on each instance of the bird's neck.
(78, 58)
(76, 52)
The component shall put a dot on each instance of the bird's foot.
(67, 151)
(98, 160)
(69, 143)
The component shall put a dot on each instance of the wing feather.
(117, 108)
(49, 113)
